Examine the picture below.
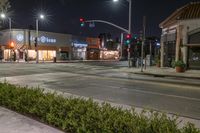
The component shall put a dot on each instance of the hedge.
(75, 115)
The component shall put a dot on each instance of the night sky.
(63, 15)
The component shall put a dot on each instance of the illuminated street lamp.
(115, 0)
(3, 16)
(129, 27)
(41, 17)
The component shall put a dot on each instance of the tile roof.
(189, 11)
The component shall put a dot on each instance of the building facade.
(93, 49)
(19, 44)
(180, 39)
(79, 48)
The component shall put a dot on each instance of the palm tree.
(4, 5)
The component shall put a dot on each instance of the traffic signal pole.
(119, 27)
(129, 32)
(109, 23)
(143, 41)
(122, 40)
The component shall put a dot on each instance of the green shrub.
(74, 115)
(180, 63)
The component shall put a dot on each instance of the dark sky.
(63, 15)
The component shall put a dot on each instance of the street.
(106, 81)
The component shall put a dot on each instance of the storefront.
(194, 49)
(181, 37)
(79, 46)
(93, 49)
(19, 45)
(109, 55)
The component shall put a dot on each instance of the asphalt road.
(105, 81)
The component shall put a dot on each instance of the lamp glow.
(3, 15)
(115, 0)
(42, 16)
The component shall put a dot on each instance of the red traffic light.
(81, 20)
(128, 36)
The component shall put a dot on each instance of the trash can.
(54, 59)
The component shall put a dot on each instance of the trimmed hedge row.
(85, 116)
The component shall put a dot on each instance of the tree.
(4, 5)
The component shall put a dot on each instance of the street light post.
(3, 16)
(36, 41)
(129, 29)
(37, 35)
(10, 37)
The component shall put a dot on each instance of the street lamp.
(3, 16)
(115, 0)
(41, 16)
(129, 28)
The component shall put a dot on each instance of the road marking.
(137, 81)
(148, 92)
(168, 95)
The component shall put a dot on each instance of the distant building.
(180, 39)
(19, 45)
(93, 49)
(109, 49)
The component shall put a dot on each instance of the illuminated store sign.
(19, 37)
(42, 39)
(79, 44)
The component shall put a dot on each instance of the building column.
(162, 52)
(178, 41)
(185, 42)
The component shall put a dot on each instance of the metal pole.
(143, 41)
(109, 23)
(36, 48)
(129, 30)
(150, 51)
(122, 38)
(10, 30)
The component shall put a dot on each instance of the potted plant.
(180, 66)
(157, 62)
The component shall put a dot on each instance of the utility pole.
(121, 49)
(36, 45)
(143, 42)
(129, 31)
(150, 52)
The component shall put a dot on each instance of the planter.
(179, 69)
(158, 64)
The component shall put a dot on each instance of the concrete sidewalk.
(163, 72)
(12, 122)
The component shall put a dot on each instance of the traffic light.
(135, 37)
(82, 21)
(128, 38)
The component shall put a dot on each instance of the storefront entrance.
(44, 55)
(194, 58)
(169, 53)
(194, 50)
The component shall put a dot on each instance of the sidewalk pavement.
(12, 122)
(163, 72)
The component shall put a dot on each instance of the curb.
(164, 75)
